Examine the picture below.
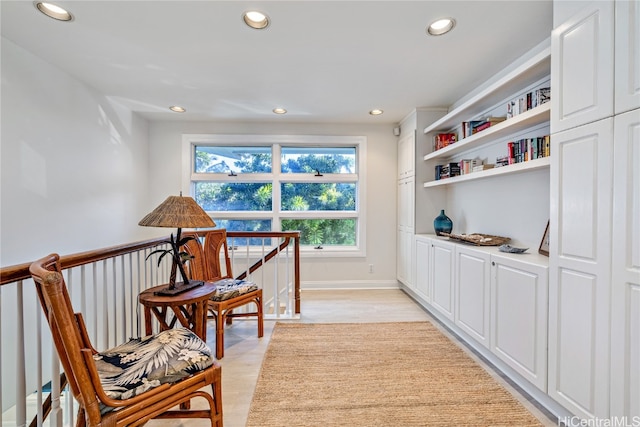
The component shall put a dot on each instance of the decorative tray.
(478, 239)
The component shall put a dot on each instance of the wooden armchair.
(119, 386)
(206, 266)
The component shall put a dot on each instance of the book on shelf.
(482, 167)
(466, 129)
(480, 127)
(542, 96)
(467, 165)
(475, 126)
(443, 140)
(493, 120)
(502, 161)
(527, 149)
(547, 145)
(528, 101)
(447, 170)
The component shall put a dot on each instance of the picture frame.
(544, 243)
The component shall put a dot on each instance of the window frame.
(277, 177)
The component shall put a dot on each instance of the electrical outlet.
(370, 268)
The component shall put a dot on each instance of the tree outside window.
(317, 189)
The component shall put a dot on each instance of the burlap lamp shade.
(177, 212)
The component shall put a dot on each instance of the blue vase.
(442, 224)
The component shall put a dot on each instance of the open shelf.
(531, 165)
(510, 126)
(536, 68)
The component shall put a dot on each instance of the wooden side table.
(189, 308)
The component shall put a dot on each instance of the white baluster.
(21, 406)
(39, 413)
(55, 416)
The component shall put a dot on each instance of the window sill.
(306, 252)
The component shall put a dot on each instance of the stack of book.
(467, 166)
(447, 170)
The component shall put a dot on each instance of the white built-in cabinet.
(594, 270)
(411, 146)
(566, 328)
(495, 301)
(406, 207)
(580, 268)
(625, 280)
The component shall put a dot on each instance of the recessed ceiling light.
(441, 26)
(53, 11)
(255, 19)
(177, 109)
(376, 112)
(280, 111)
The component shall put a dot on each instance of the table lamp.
(177, 212)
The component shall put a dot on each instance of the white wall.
(517, 207)
(74, 165)
(165, 140)
(565, 9)
(73, 178)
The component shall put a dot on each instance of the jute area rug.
(376, 374)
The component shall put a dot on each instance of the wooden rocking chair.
(206, 266)
(107, 401)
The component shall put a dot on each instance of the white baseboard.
(349, 284)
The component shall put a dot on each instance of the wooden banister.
(21, 271)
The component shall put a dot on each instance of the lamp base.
(179, 288)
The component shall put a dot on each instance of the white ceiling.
(324, 61)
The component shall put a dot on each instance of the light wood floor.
(244, 350)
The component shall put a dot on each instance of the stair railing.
(104, 285)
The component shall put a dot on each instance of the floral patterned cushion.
(231, 288)
(145, 363)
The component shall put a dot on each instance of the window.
(314, 184)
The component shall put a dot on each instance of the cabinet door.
(423, 249)
(406, 203)
(627, 52)
(580, 261)
(582, 68)
(403, 211)
(403, 265)
(472, 289)
(410, 202)
(519, 293)
(406, 155)
(625, 283)
(442, 276)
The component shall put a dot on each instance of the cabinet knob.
(493, 263)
